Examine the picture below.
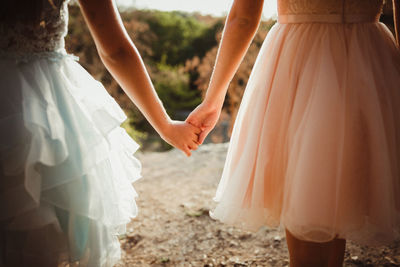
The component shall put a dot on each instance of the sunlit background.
(205, 7)
(179, 50)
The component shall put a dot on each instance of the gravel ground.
(174, 229)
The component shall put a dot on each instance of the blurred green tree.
(179, 37)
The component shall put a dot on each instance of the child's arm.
(396, 16)
(240, 28)
(122, 59)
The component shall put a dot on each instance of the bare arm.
(122, 59)
(240, 28)
(396, 13)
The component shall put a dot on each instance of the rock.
(277, 238)
(233, 244)
(245, 237)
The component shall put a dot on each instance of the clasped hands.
(188, 135)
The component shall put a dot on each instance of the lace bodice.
(33, 26)
(324, 7)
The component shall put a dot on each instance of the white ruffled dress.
(66, 165)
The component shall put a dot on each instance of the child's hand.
(182, 135)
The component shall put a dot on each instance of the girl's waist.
(25, 56)
(327, 18)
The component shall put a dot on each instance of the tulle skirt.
(66, 165)
(316, 143)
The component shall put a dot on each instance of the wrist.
(214, 98)
(214, 103)
(163, 126)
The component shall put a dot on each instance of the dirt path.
(174, 229)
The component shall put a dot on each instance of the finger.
(203, 136)
(193, 145)
(195, 129)
(195, 124)
(186, 150)
(192, 121)
(195, 137)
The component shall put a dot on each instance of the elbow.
(246, 14)
(246, 24)
(248, 21)
(113, 56)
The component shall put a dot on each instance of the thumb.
(203, 135)
(192, 121)
(196, 124)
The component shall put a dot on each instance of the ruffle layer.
(65, 159)
(316, 144)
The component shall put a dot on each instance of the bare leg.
(311, 254)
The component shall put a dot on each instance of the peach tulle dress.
(316, 144)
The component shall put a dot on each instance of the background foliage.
(179, 50)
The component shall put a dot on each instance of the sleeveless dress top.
(66, 165)
(315, 147)
(30, 32)
(329, 11)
